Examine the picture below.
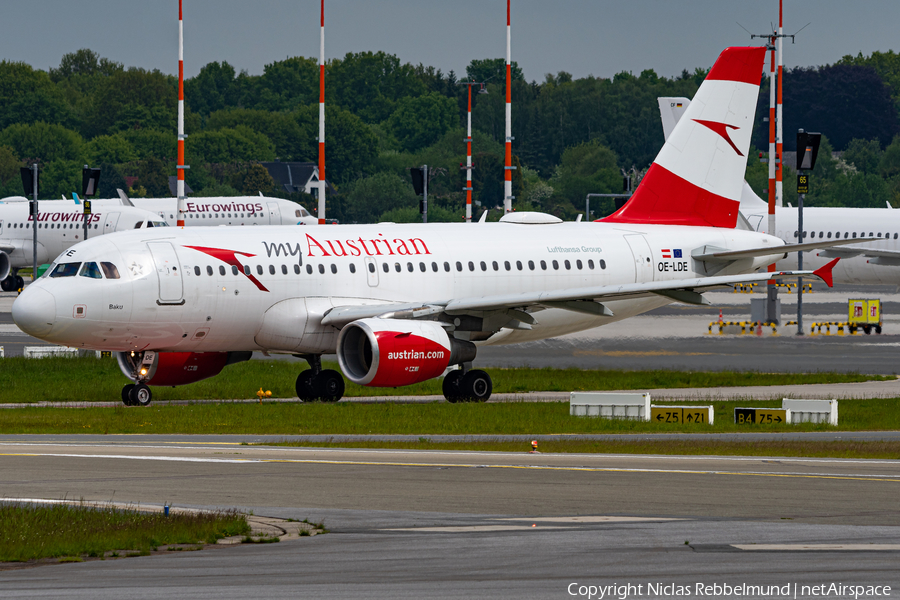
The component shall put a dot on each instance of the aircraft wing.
(588, 300)
(713, 255)
(877, 256)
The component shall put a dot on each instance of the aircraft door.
(643, 262)
(112, 220)
(371, 271)
(168, 269)
(274, 214)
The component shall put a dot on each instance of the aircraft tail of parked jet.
(697, 177)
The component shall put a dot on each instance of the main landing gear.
(12, 283)
(316, 384)
(136, 394)
(467, 385)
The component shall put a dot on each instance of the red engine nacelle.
(395, 352)
(176, 368)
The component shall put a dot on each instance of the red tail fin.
(824, 273)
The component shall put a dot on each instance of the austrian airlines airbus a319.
(399, 304)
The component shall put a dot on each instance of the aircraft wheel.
(329, 386)
(450, 387)
(20, 283)
(304, 386)
(126, 394)
(140, 395)
(476, 386)
(8, 284)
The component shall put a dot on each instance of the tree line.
(573, 136)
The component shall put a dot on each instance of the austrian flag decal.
(669, 253)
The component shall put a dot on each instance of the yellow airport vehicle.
(865, 314)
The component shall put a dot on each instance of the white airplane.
(400, 303)
(872, 262)
(60, 226)
(60, 219)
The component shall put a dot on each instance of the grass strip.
(87, 379)
(789, 448)
(509, 418)
(30, 532)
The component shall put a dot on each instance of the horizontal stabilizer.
(730, 255)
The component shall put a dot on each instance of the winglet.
(824, 273)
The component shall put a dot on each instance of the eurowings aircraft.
(60, 226)
(59, 222)
(400, 303)
(873, 262)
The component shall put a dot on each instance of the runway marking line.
(893, 479)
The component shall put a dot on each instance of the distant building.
(295, 177)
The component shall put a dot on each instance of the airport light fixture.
(30, 186)
(807, 151)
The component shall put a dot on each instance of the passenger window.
(352, 268)
(602, 264)
(519, 265)
(458, 266)
(397, 267)
(371, 267)
(209, 270)
(531, 265)
(568, 265)
(91, 270)
(309, 269)
(854, 234)
(795, 233)
(555, 265)
(271, 269)
(284, 269)
(422, 267)
(590, 263)
(829, 235)
(544, 265)
(221, 270)
(507, 265)
(334, 268)
(234, 270)
(66, 270)
(846, 234)
(409, 267)
(471, 266)
(434, 267)
(483, 266)
(578, 264)
(197, 271)
(895, 236)
(495, 265)
(109, 270)
(385, 268)
(321, 269)
(297, 269)
(446, 266)
(246, 269)
(259, 270)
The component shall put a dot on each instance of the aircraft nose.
(34, 311)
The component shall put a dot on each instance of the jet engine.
(175, 368)
(396, 352)
(4, 265)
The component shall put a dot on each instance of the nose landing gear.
(137, 366)
(316, 384)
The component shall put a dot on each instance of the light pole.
(30, 187)
(468, 141)
(807, 150)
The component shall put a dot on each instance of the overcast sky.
(583, 37)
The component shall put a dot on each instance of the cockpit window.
(109, 270)
(91, 270)
(66, 270)
(139, 224)
(49, 270)
(157, 224)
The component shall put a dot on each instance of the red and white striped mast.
(469, 158)
(779, 114)
(507, 175)
(772, 150)
(321, 210)
(180, 167)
